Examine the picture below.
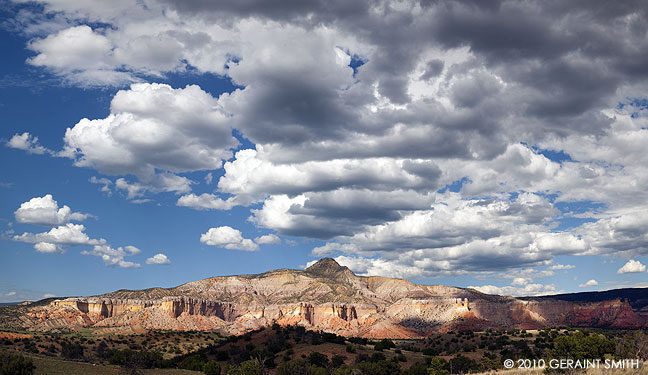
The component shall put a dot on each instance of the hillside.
(636, 297)
(325, 296)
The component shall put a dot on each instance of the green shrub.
(379, 368)
(337, 361)
(250, 367)
(417, 369)
(193, 362)
(579, 346)
(463, 365)
(438, 366)
(384, 344)
(16, 364)
(211, 368)
(299, 367)
(72, 351)
(318, 359)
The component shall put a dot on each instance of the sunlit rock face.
(327, 297)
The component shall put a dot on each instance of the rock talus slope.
(325, 296)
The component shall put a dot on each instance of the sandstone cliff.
(325, 296)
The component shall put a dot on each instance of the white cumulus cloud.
(45, 211)
(158, 259)
(228, 238)
(114, 257)
(27, 142)
(153, 132)
(562, 267)
(206, 202)
(106, 184)
(68, 234)
(267, 239)
(46, 247)
(633, 266)
(80, 55)
(588, 284)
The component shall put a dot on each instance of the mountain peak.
(326, 266)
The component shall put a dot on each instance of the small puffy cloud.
(55, 239)
(27, 142)
(158, 259)
(228, 238)
(132, 250)
(69, 234)
(141, 201)
(49, 295)
(208, 178)
(267, 239)
(588, 284)
(10, 294)
(633, 266)
(48, 248)
(114, 257)
(106, 183)
(45, 211)
(557, 267)
(206, 202)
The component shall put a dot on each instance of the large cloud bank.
(417, 138)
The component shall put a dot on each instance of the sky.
(498, 145)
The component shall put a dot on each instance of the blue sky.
(189, 142)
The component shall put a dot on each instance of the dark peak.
(326, 266)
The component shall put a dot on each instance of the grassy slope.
(51, 366)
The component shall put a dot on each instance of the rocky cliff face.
(325, 297)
